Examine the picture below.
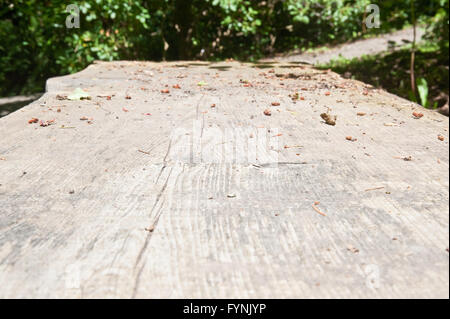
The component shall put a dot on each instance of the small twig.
(390, 124)
(317, 209)
(144, 152)
(374, 189)
(405, 158)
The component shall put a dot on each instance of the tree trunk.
(413, 54)
(183, 24)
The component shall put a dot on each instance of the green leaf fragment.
(79, 94)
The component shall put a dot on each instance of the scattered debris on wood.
(417, 115)
(352, 249)
(108, 97)
(406, 158)
(46, 123)
(317, 209)
(294, 96)
(245, 83)
(150, 229)
(329, 119)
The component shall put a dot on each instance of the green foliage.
(391, 71)
(35, 43)
(438, 26)
(422, 87)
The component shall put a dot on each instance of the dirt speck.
(329, 119)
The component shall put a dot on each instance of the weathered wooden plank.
(226, 190)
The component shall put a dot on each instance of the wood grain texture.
(226, 190)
